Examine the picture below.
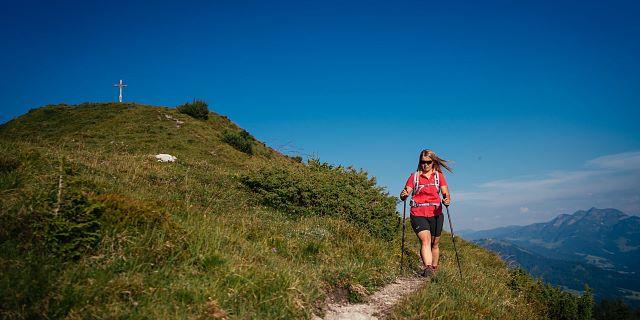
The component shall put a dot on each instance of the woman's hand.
(446, 196)
(404, 194)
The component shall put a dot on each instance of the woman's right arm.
(404, 194)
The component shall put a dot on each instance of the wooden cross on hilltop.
(120, 85)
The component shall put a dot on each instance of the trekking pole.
(404, 214)
(453, 238)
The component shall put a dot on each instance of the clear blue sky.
(536, 102)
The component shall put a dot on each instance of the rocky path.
(378, 305)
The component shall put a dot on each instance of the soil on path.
(376, 306)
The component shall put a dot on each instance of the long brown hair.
(438, 163)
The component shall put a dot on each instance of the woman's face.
(426, 163)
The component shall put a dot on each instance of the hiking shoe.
(427, 272)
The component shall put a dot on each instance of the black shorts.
(431, 224)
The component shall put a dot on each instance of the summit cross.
(120, 85)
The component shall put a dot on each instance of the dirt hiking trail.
(376, 306)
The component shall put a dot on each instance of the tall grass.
(481, 293)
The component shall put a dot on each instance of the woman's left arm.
(446, 195)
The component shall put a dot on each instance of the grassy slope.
(210, 251)
(481, 293)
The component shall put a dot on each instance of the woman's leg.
(425, 248)
(435, 239)
(435, 251)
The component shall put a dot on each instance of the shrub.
(197, 109)
(557, 304)
(84, 218)
(321, 189)
(242, 141)
(73, 230)
(614, 309)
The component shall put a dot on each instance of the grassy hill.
(92, 226)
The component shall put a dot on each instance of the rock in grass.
(163, 157)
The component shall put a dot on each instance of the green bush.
(614, 309)
(242, 141)
(74, 229)
(556, 303)
(197, 109)
(325, 190)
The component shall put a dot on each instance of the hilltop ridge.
(149, 128)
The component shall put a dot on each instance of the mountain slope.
(572, 275)
(598, 247)
(92, 226)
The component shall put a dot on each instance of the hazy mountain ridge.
(598, 246)
(607, 234)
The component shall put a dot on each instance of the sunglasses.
(426, 161)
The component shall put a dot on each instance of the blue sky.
(535, 102)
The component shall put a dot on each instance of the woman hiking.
(425, 186)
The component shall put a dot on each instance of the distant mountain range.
(600, 247)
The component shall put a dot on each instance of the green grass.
(188, 239)
(481, 293)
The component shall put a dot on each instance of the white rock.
(163, 157)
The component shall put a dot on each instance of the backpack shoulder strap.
(437, 180)
(416, 177)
